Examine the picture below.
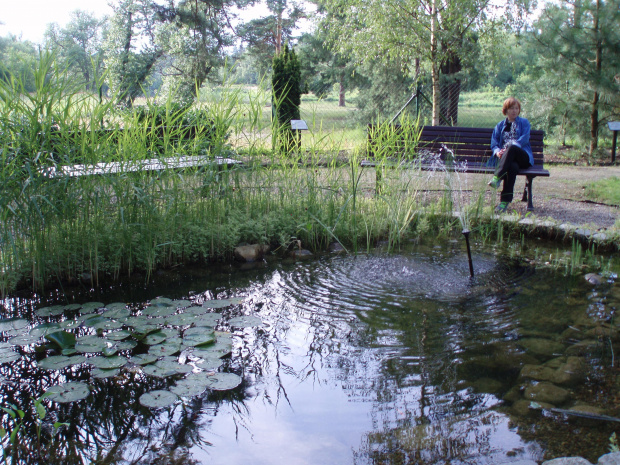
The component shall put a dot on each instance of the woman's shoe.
(495, 182)
(502, 207)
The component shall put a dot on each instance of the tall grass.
(104, 227)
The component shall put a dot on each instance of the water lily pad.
(165, 370)
(143, 359)
(221, 303)
(170, 332)
(208, 319)
(24, 340)
(119, 335)
(13, 324)
(198, 337)
(245, 321)
(155, 338)
(70, 324)
(168, 347)
(116, 306)
(210, 362)
(187, 388)
(161, 301)
(72, 307)
(159, 311)
(107, 363)
(90, 307)
(62, 339)
(223, 381)
(101, 373)
(68, 392)
(53, 310)
(219, 349)
(6, 347)
(58, 362)
(181, 303)
(45, 328)
(9, 357)
(108, 325)
(158, 399)
(92, 320)
(182, 319)
(172, 364)
(116, 346)
(90, 344)
(85, 318)
(116, 313)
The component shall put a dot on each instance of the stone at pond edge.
(300, 253)
(567, 461)
(547, 393)
(565, 371)
(595, 279)
(610, 459)
(541, 346)
(251, 253)
(523, 408)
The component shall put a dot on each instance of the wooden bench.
(464, 149)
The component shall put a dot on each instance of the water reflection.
(372, 359)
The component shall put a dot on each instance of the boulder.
(595, 279)
(542, 346)
(523, 408)
(567, 461)
(547, 393)
(251, 253)
(609, 459)
(300, 253)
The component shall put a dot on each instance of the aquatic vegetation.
(114, 338)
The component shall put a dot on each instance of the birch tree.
(434, 31)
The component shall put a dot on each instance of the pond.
(373, 359)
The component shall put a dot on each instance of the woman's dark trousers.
(514, 159)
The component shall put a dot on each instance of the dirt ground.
(561, 196)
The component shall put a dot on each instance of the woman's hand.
(500, 153)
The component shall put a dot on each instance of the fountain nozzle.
(471, 265)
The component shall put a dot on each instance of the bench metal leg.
(527, 194)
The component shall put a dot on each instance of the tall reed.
(103, 227)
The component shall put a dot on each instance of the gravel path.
(561, 196)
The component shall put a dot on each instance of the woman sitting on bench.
(510, 143)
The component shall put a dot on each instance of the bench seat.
(470, 148)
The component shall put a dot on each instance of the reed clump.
(55, 228)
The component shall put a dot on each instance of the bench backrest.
(468, 144)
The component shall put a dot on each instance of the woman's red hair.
(509, 102)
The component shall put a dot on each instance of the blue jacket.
(523, 141)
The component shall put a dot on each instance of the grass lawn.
(605, 191)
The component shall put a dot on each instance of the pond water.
(374, 359)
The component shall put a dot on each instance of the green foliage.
(581, 39)
(16, 448)
(17, 60)
(79, 47)
(131, 50)
(286, 89)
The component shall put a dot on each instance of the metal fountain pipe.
(471, 265)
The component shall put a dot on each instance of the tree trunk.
(450, 88)
(279, 32)
(598, 69)
(341, 93)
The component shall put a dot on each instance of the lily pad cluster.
(168, 338)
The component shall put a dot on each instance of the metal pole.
(471, 265)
